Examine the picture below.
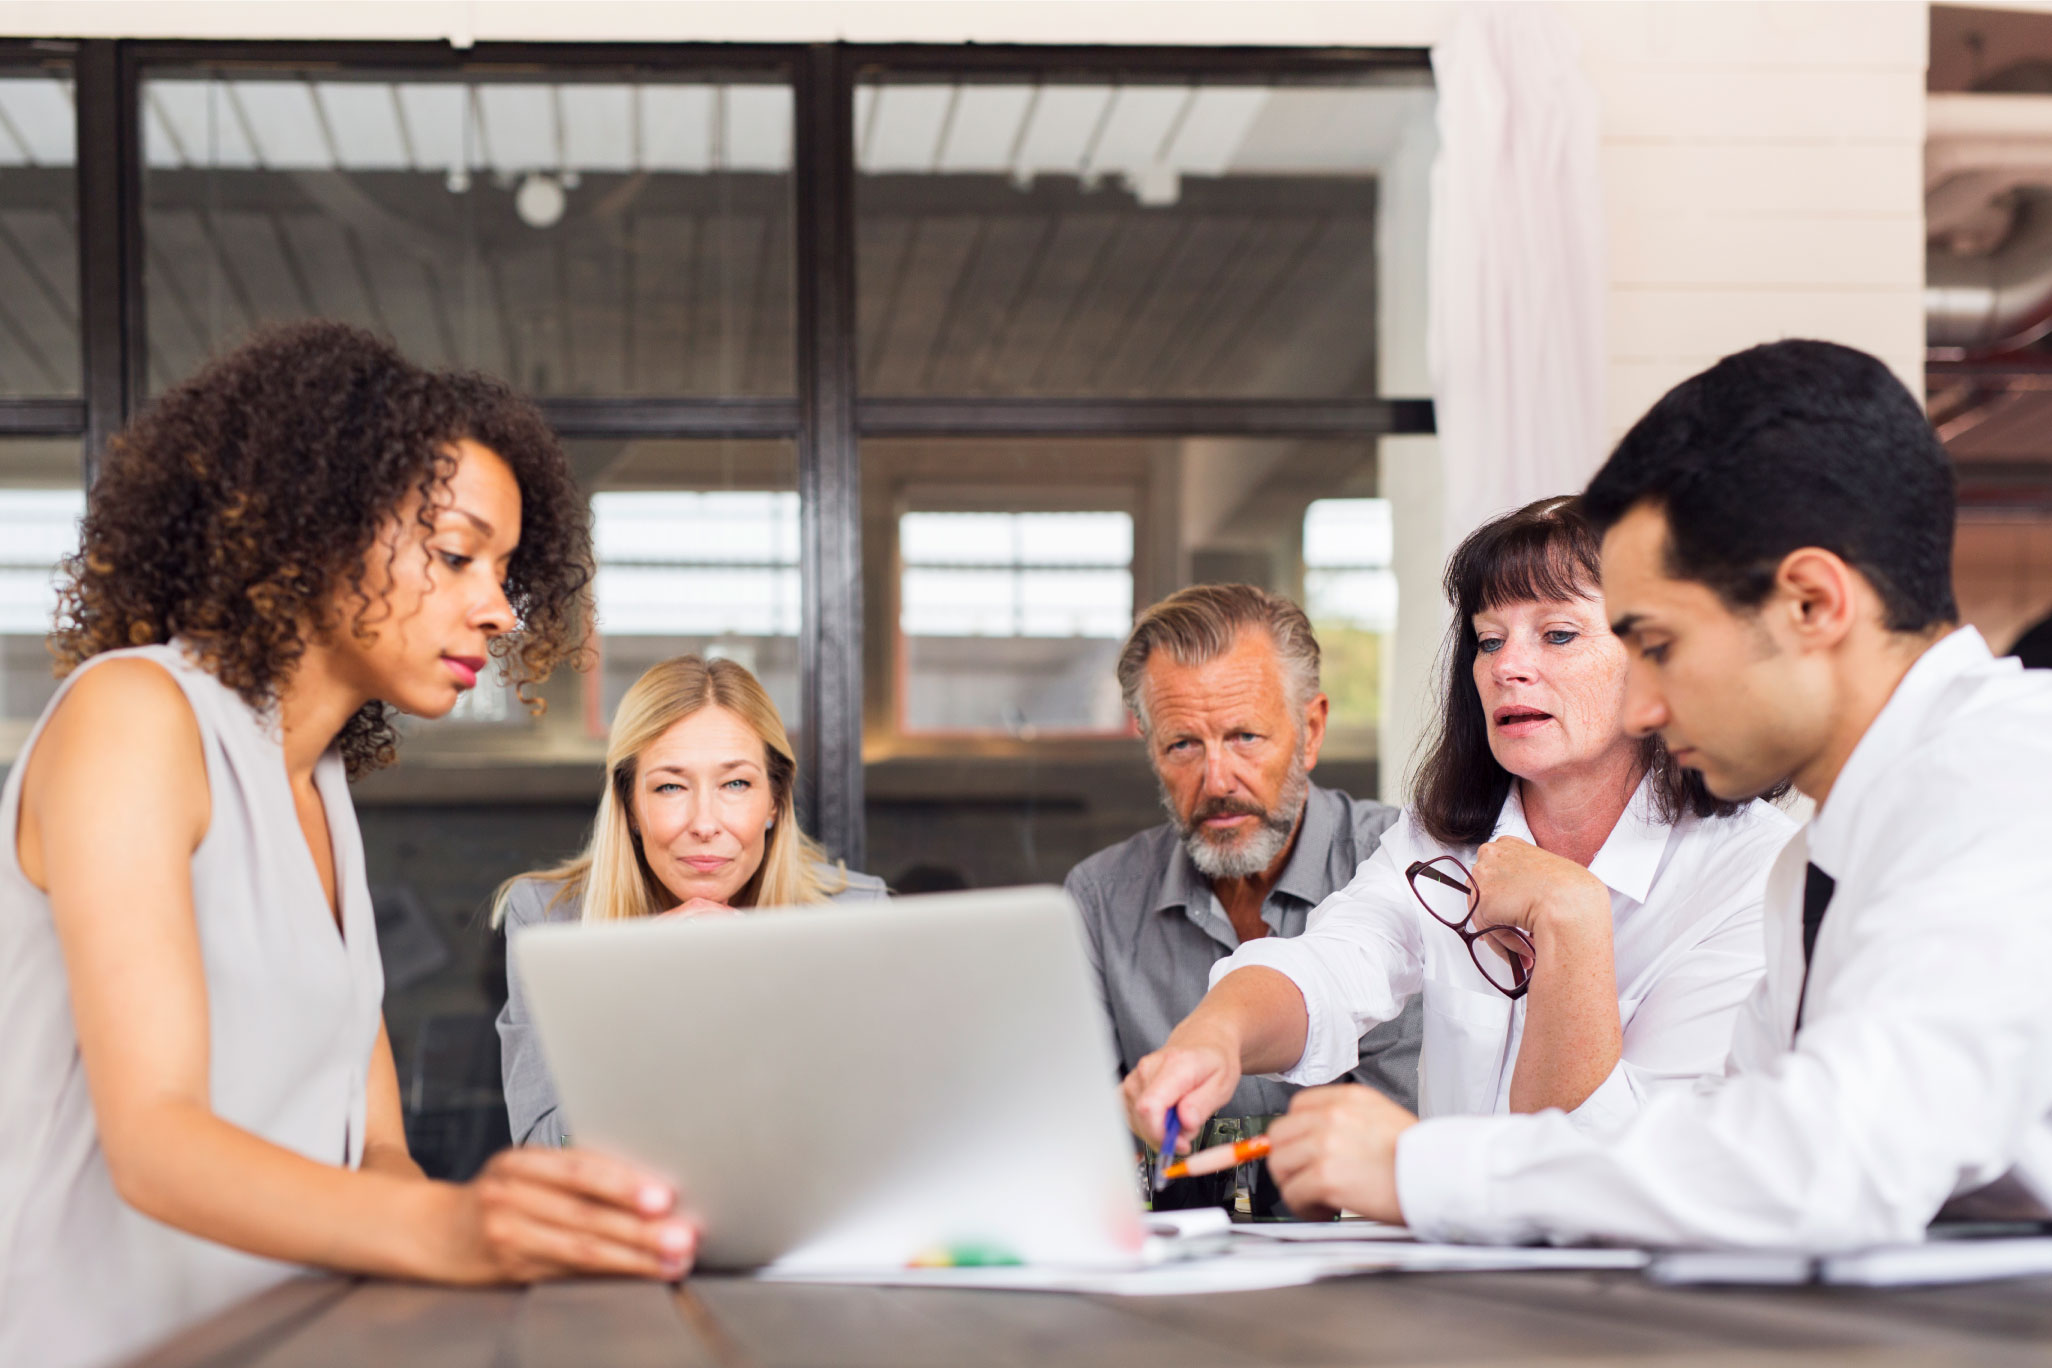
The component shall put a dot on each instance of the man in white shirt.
(1777, 557)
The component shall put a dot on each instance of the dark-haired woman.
(1615, 913)
(199, 1096)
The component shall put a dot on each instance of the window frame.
(826, 418)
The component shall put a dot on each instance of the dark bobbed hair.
(237, 511)
(1788, 445)
(1544, 552)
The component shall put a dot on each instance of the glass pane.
(576, 233)
(1009, 619)
(39, 334)
(1116, 238)
(41, 501)
(698, 551)
(1000, 580)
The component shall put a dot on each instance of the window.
(579, 232)
(999, 749)
(1140, 236)
(1011, 620)
(38, 528)
(1113, 331)
(42, 377)
(1089, 299)
(1350, 593)
(39, 333)
(714, 571)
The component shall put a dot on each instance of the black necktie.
(1817, 890)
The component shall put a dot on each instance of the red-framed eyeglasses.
(1446, 890)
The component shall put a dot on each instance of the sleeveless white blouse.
(293, 1012)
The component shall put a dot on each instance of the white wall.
(1763, 168)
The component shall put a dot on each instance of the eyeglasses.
(1446, 889)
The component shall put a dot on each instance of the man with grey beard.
(1222, 680)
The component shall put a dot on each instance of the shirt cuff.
(1444, 1185)
(1614, 1102)
(1328, 1053)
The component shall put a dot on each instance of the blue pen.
(1171, 1130)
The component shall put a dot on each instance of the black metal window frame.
(826, 418)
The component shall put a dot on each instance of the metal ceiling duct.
(1984, 154)
(1997, 301)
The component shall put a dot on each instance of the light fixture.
(540, 201)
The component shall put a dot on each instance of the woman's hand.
(700, 907)
(1336, 1150)
(546, 1213)
(1533, 890)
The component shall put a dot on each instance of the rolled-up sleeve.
(1358, 962)
(532, 1110)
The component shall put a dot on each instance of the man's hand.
(1337, 1150)
(1196, 1077)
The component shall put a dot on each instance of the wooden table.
(719, 1322)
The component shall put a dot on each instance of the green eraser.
(983, 1256)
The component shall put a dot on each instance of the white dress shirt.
(1685, 924)
(1923, 1068)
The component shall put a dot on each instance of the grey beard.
(1256, 851)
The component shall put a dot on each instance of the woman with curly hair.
(306, 536)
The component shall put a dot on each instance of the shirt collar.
(1182, 886)
(1901, 722)
(1303, 876)
(1630, 855)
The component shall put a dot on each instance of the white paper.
(1736, 1266)
(1250, 1265)
(1939, 1261)
(1320, 1232)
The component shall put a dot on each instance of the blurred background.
(907, 351)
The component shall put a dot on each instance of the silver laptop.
(854, 1086)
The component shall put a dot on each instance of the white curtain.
(1515, 323)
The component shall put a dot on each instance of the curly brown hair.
(237, 511)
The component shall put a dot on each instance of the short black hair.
(1787, 445)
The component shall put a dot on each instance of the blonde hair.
(612, 876)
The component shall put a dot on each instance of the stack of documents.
(1248, 1258)
(1199, 1251)
(1931, 1263)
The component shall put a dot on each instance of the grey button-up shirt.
(1154, 928)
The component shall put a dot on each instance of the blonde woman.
(696, 821)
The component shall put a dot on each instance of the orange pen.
(1219, 1158)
